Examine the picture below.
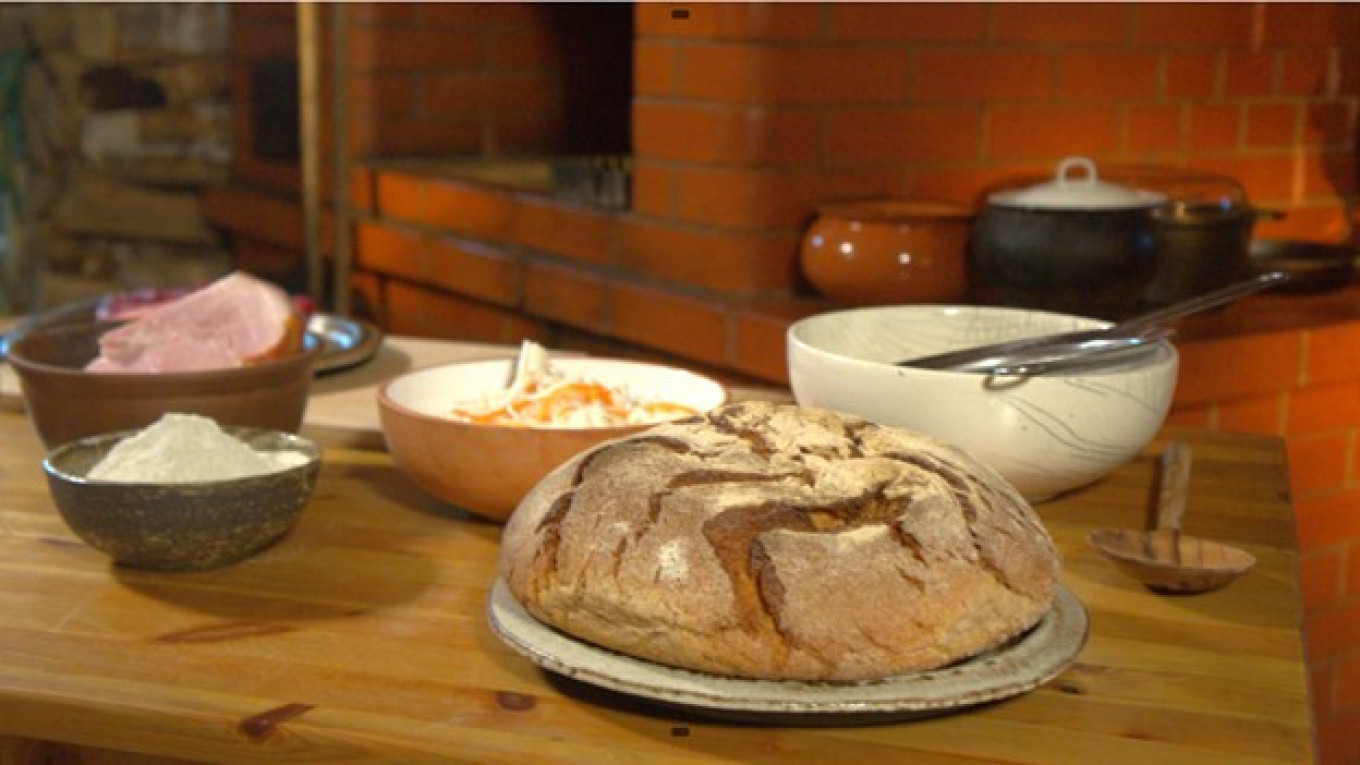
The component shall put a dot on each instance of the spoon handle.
(1012, 355)
(1208, 300)
(1175, 478)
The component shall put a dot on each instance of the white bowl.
(1046, 434)
(487, 469)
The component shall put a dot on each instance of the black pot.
(1079, 246)
(1202, 252)
(1203, 231)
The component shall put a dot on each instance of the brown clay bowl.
(487, 469)
(65, 402)
(194, 526)
(884, 251)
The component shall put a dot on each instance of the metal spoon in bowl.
(1166, 560)
(1093, 347)
(1033, 355)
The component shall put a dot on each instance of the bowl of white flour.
(183, 494)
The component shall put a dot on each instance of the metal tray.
(348, 342)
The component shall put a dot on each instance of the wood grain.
(362, 637)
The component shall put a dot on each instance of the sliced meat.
(130, 305)
(236, 320)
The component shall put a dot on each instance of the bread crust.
(773, 541)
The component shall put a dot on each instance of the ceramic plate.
(349, 342)
(1019, 666)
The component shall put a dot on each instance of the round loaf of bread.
(773, 541)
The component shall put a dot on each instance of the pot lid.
(1191, 193)
(1072, 190)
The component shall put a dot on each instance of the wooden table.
(362, 637)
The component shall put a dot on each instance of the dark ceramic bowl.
(65, 402)
(180, 526)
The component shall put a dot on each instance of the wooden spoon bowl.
(1166, 560)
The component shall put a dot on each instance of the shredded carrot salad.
(541, 397)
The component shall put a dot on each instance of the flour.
(672, 560)
(183, 448)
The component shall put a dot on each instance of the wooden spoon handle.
(1175, 478)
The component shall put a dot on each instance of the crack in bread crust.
(774, 541)
(706, 476)
(550, 531)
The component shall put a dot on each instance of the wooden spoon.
(1166, 560)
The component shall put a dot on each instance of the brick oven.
(459, 85)
(740, 119)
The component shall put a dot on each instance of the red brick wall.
(746, 116)
(1302, 385)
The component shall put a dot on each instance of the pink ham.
(234, 321)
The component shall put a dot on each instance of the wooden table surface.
(362, 637)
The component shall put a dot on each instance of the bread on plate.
(779, 542)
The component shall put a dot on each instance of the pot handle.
(1070, 163)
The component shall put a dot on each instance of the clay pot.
(886, 251)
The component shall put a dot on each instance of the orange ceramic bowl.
(887, 251)
(487, 469)
(65, 402)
